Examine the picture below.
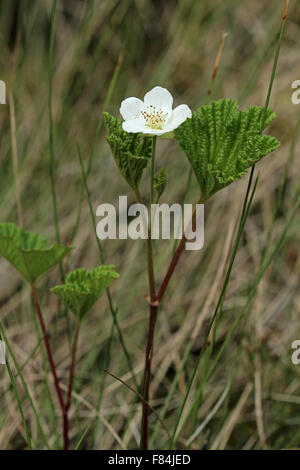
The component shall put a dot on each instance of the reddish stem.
(149, 350)
(154, 305)
(52, 366)
(171, 269)
(175, 260)
(72, 368)
(147, 374)
(66, 429)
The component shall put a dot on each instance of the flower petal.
(178, 116)
(134, 125)
(149, 131)
(131, 108)
(159, 97)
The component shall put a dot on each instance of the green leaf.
(130, 151)
(28, 251)
(83, 288)
(160, 182)
(222, 142)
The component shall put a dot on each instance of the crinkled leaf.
(160, 182)
(83, 288)
(222, 142)
(130, 151)
(28, 251)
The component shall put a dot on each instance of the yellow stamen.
(155, 118)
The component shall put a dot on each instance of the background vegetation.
(250, 400)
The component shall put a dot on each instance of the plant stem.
(72, 368)
(153, 309)
(70, 387)
(147, 374)
(171, 269)
(152, 170)
(51, 362)
(149, 240)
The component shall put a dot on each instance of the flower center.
(155, 118)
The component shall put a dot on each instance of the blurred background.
(105, 51)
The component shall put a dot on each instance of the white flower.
(154, 115)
